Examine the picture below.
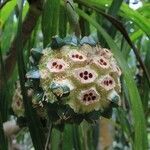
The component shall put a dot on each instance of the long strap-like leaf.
(50, 20)
(33, 121)
(123, 31)
(140, 137)
(125, 12)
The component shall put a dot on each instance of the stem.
(73, 17)
(49, 136)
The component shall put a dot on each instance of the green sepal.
(69, 116)
(60, 114)
(66, 91)
(88, 40)
(52, 109)
(77, 118)
(38, 96)
(57, 42)
(107, 113)
(114, 98)
(59, 91)
(93, 116)
(33, 73)
(29, 83)
(65, 112)
(71, 40)
(36, 54)
(33, 84)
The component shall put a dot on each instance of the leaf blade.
(140, 140)
(50, 20)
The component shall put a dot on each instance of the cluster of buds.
(80, 75)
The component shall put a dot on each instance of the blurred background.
(120, 25)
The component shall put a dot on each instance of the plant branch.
(49, 136)
(73, 17)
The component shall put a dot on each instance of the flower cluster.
(84, 77)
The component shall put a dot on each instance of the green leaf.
(4, 92)
(33, 122)
(145, 87)
(50, 20)
(62, 22)
(113, 11)
(140, 138)
(25, 9)
(136, 17)
(134, 36)
(125, 124)
(76, 137)
(7, 10)
(67, 138)
(72, 17)
(121, 28)
(8, 33)
(144, 10)
(125, 12)
(84, 25)
(57, 140)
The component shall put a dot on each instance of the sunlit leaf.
(125, 12)
(7, 10)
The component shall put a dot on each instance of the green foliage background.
(116, 26)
